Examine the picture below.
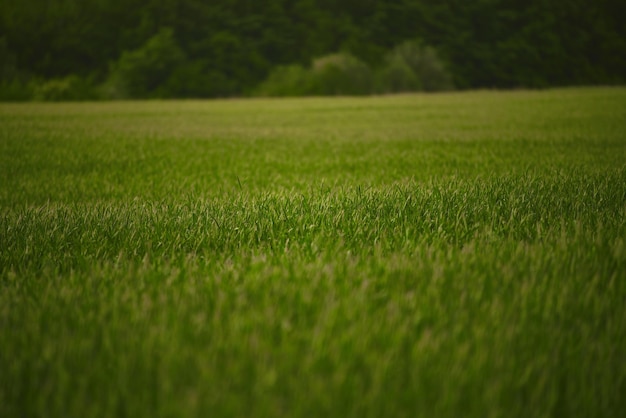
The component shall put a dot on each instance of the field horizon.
(455, 254)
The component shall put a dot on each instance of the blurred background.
(119, 49)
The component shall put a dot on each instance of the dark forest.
(77, 49)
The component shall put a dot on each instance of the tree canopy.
(228, 47)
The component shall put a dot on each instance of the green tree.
(140, 73)
(230, 46)
(414, 66)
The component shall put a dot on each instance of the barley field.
(458, 254)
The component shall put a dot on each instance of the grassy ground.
(421, 255)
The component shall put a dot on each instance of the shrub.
(335, 74)
(286, 80)
(187, 80)
(15, 90)
(139, 73)
(429, 73)
(341, 73)
(70, 88)
(397, 76)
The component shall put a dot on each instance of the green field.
(445, 255)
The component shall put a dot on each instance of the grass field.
(408, 256)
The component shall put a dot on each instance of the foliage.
(70, 88)
(15, 90)
(413, 66)
(397, 76)
(286, 80)
(13, 85)
(8, 63)
(340, 74)
(230, 46)
(330, 75)
(141, 72)
(408, 67)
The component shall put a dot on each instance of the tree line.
(208, 48)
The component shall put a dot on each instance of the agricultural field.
(457, 254)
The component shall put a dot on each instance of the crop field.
(457, 254)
